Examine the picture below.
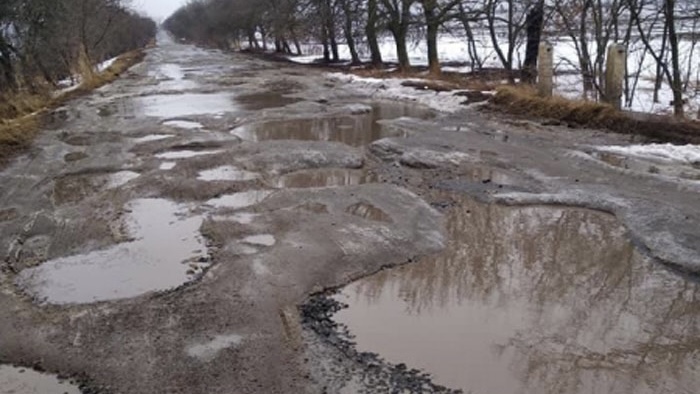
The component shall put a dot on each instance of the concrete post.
(545, 69)
(616, 66)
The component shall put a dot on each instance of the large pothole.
(167, 251)
(528, 299)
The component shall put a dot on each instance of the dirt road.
(162, 232)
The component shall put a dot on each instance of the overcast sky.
(158, 9)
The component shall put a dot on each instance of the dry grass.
(20, 113)
(524, 101)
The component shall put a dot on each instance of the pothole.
(323, 178)
(227, 173)
(151, 262)
(527, 299)
(368, 211)
(239, 200)
(187, 104)
(185, 154)
(152, 137)
(355, 130)
(260, 240)
(183, 124)
(15, 380)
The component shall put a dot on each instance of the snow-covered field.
(568, 80)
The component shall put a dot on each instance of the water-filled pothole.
(186, 104)
(15, 380)
(323, 178)
(353, 129)
(532, 299)
(152, 262)
(227, 173)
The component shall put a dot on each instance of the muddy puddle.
(355, 129)
(185, 104)
(533, 300)
(26, 381)
(323, 178)
(153, 261)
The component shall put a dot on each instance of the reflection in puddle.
(489, 175)
(172, 77)
(167, 166)
(121, 178)
(185, 154)
(533, 300)
(177, 105)
(258, 101)
(260, 240)
(354, 130)
(239, 200)
(151, 262)
(183, 124)
(26, 381)
(324, 178)
(153, 137)
(368, 211)
(227, 173)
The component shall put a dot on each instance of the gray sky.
(158, 9)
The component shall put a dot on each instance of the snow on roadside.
(106, 64)
(689, 154)
(391, 88)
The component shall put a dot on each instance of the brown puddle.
(352, 129)
(323, 178)
(533, 300)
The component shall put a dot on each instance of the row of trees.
(491, 29)
(45, 41)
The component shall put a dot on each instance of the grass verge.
(21, 113)
(524, 101)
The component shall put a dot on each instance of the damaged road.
(162, 233)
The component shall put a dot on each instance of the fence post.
(614, 74)
(545, 69)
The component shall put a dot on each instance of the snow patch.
(689, 154)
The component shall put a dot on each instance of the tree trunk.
(347, 28)
(534, 23)
(402, 49)
(676, 82)
(334, 48)
(432, 24)
(371, 33)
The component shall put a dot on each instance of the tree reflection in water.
(533, 300)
